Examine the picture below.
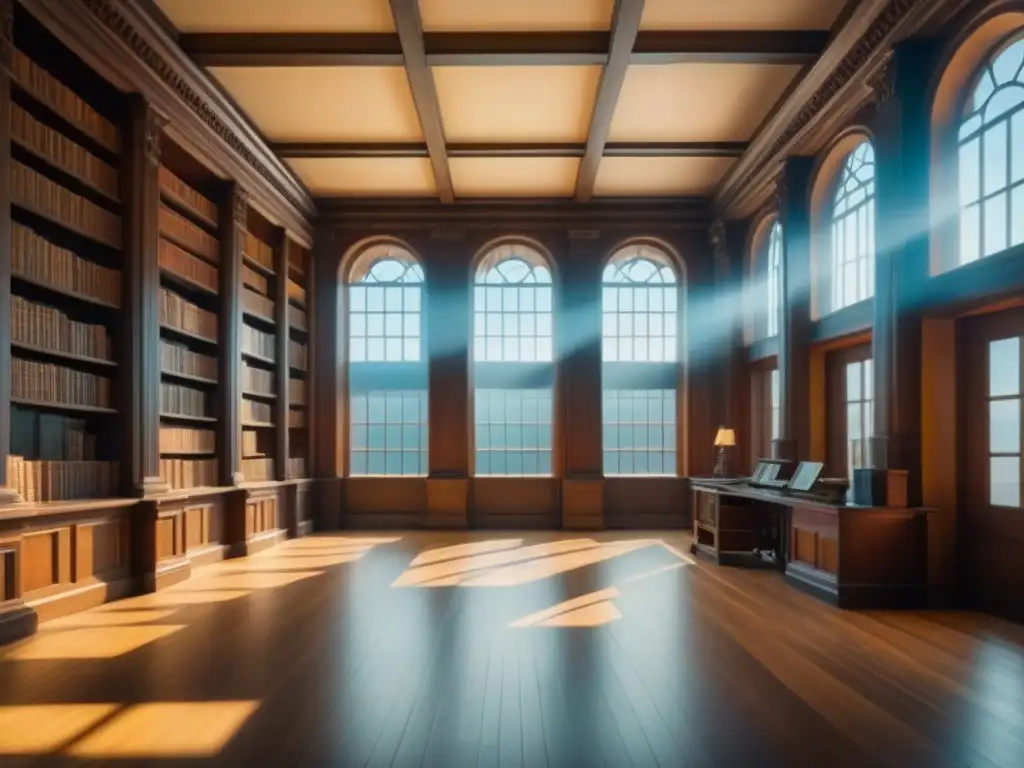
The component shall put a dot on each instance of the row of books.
(189, 473)
(179, 190)
(257, 413)
(184, 401)
(297, 391)
(255, 342)
(258, 251)
(257, 380)
(49, 90)
(297, 419)
(48, 383)
(296, 468)
(37, 325)
(255, 280)
(39, 481)
(32, 190)
(296, 259)
(257, 304)
(182, 314)
(296, 292)
(251, 443)
(50, 436)
(178, 358)
(33, 257)
(297, 355)
(192, 268)
(185, 440)
(255, 470)
(190, 235)
(62, 152)
(297, 318)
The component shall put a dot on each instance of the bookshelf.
(259, 350)
(299, 396)
(65, 309)
(188, 256)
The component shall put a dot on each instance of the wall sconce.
(724, 439)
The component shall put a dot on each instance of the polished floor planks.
(450, 650)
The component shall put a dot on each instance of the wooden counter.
(855, 557)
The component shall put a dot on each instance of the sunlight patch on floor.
(91, 643)
(42, 728)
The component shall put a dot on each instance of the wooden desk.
(855, 557)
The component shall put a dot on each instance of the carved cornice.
(883, 84)
(7, 35)
(155, 123)
(716, 236)
(110, 13)
(240, 206)
(896, 18)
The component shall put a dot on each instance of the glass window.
(991, 159)
(859, 413)
(640, 353)
(853, 229)
(387, 371)
(773, 304)
(513, 354)
(1004, 422)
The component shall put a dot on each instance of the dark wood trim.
(581, 48)
(961, 290)
(763, 349)
(844, 322)
(281, 338)
(317, 150)
(625, 26)
(233, 212)
(424, 92)
(6, 55)
(132, 50)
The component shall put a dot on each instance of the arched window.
(773, 287)
(853, 229)
(513, 356)
(387, 370)
(640, 355)
(991, 158)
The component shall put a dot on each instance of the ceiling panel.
(697, 102)
(514, 176)
(369, 176)
(656, 176)
(740, 14)
(515, 15)
(279, 15)
(325, 103)
(516, 103)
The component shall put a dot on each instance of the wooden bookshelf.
(66, 263)
(189, 308)
(299, 398)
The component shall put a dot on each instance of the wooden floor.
(498, 650)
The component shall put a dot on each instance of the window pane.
(994, 157)
(1004, 367)
(639, 428)
(994, 225)
(1004, 481)
(970, 178)
(970, 234)
(853, 382)
(513, 431)
(387, 432)
(1004, 426)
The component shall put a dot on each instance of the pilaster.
(7, 495)
(281, 339)
(233, 213)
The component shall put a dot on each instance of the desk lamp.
(724, 439)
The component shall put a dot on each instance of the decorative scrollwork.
(240, 206)
(883, 84)
(155, 123)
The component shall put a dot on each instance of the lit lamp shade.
(726, 438)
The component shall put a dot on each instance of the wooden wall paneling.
(579, 378)
(255, 518)
(281, 340)
(303, 509)
(233, 213)
(328, 384)
(903, 159)
(386, 502)
(515, 503)
(140, 372)
(160, 559)
(794, 324)
(647, 503)
(6, 54)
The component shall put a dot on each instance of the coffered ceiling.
(505, 98)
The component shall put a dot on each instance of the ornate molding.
(883, 84)
(716, 236)
(155, 123)
(7, 35)
(240, 206)
(111, 16)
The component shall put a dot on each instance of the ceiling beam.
(625, 26)
(424, 93)
(501, 48)
(324, 150)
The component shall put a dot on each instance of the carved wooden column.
(794, 438)
(233, 211)
(7, 495)
(902, 159)
(447, 300)
(579, 353)
(140, 335)
(281, 377)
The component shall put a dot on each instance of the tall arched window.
(387, 369)
(853, 229)
(991, 158)
(513, 356)
(640, 355)
(773, 260)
